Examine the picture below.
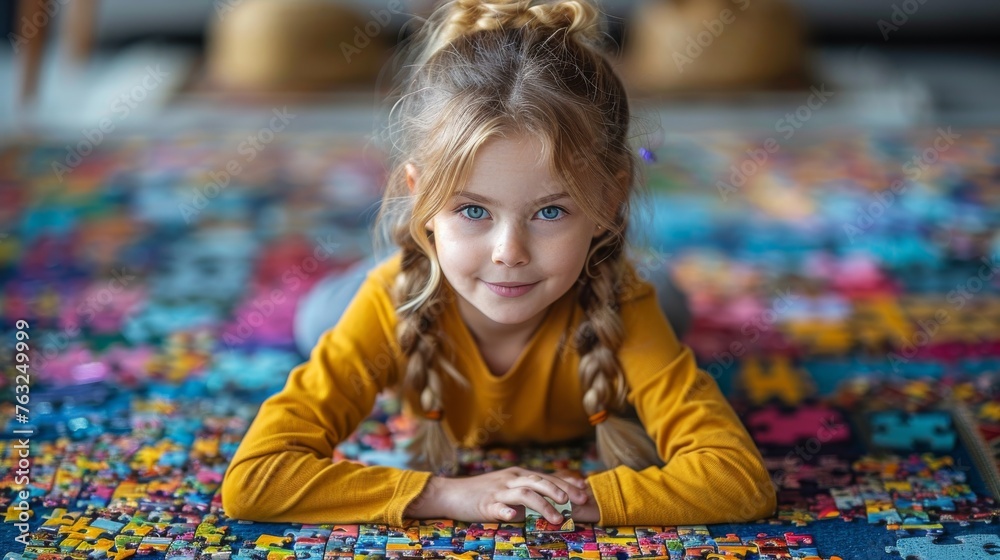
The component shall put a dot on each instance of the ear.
(622, 177)
(411, 177)
(598, 230)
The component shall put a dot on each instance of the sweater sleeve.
(713, 471)
(283, 469)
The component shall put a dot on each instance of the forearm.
(693, 489)
(301, 488)
(431, 503)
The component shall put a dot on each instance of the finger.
(528, 497)
(573, 477)
(503, 512)
(575, 493)
(543, 484)
(578, 483)
(552, 486)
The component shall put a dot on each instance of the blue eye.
(473, 212)
(551, 212)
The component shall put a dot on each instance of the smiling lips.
(509, 289)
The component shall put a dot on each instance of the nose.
(510, 247)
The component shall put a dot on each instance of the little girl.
(510, 313)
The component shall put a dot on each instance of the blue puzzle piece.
(899, 431)
(973, 547)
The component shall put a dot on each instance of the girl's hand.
(588, 511)
(503, 495)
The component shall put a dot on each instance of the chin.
(507, 314)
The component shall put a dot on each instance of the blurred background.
(891, 62)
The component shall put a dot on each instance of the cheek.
(452, 235)
(570, 249)
(455, 245)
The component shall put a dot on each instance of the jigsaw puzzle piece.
(776, 380)
(906, 432)
(972, 547)
(59, 518)
(773, 426)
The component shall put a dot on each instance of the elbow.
(758, 502)
(761, 497)
(766, 502)
(756, 494)
(236, 502)
(244, 494)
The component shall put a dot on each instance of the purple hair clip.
(647, 155)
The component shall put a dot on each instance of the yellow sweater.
(283, 470)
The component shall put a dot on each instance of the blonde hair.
(490, 69)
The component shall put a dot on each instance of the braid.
(465, 17)
(418, 335)
(619, 441)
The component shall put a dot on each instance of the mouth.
(511, 284)
(510, 289)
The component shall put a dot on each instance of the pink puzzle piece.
(772, 426)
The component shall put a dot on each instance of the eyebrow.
(488, 200)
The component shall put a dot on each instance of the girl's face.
(513, 241)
